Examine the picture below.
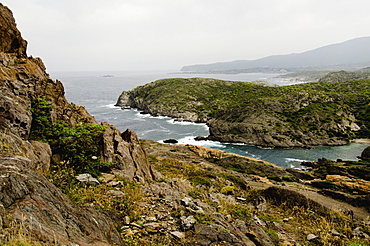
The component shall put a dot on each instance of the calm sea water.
(99, 92)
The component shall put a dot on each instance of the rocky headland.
(68, 180)
(303, 115)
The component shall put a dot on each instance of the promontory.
(301, 115)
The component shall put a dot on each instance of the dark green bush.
(77, 146)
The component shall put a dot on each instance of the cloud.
(167, 34)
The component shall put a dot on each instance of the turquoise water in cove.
(99, 92)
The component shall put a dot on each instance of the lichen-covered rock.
(86, 178)
(206, 152)
(123, 100)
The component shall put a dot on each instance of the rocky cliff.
(27, 197)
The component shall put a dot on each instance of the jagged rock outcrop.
(11, 40)
(26, 196)
(125, 151)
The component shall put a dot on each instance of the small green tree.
(41, 120)
(77, 146)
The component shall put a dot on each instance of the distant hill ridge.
(354, 51)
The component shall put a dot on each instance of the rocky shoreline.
(218, 128)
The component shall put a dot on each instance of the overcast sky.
(108, 35)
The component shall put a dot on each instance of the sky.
(117, 35)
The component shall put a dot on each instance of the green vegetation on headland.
(334, 74)
(318, 113)
(345, 75)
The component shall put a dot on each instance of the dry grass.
(99, 198)
(304, 221)
(16, 233)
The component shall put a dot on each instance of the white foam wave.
(294, 160)
(205, 143)
(138, 119)
(239, 144)
(296, 166)
(112, 106)
(140, 114)
(154, 130)
(187, 123)
(159, 117)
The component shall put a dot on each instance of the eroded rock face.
(26, 196)
(126, 153)
(11, 40)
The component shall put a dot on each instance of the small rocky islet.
(68, 180)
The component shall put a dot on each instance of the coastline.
(361, 140)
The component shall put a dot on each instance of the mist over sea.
(99, 91)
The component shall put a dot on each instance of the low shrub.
(199, 180)
(228, 190)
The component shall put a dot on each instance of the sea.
(98, 92)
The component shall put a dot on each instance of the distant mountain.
(355, 51)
